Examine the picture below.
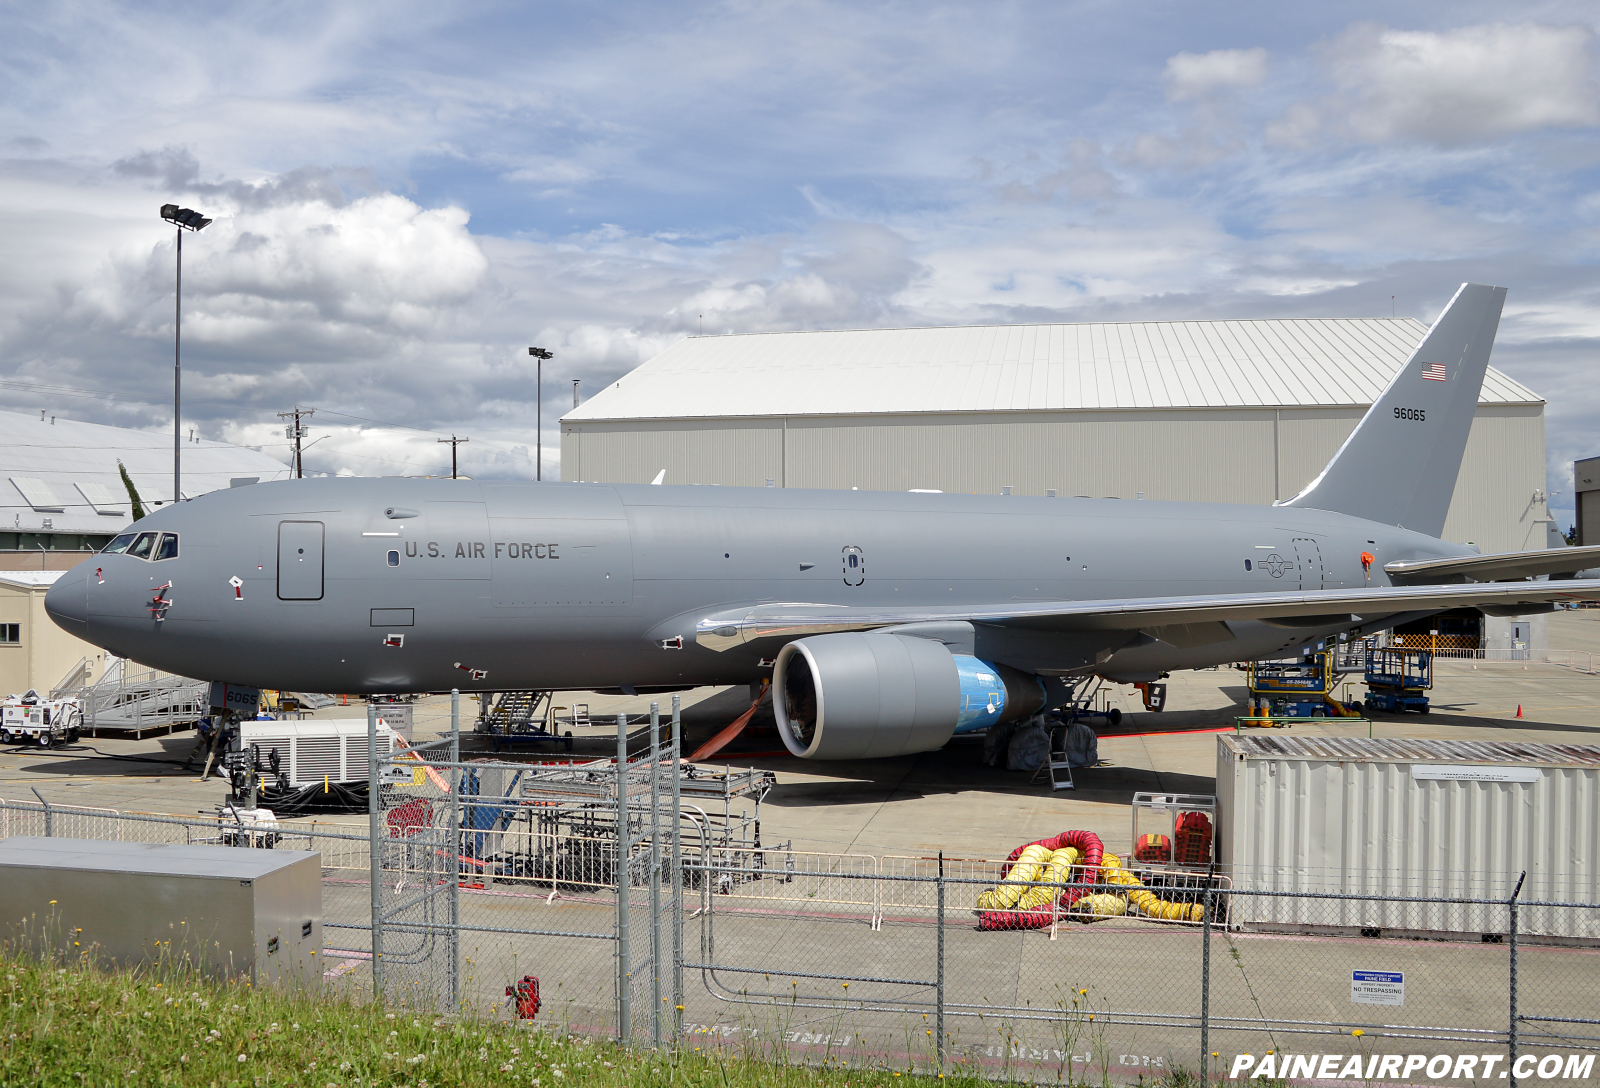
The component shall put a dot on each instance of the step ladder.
(1055, 768)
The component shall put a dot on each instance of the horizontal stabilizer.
(1503, 567)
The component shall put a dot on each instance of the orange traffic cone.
(1519, 710)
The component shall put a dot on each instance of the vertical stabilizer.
(1400, 464)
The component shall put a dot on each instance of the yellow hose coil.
(1143, 899)
(1035, 864)
(1023, 872)
(1056, 870)
(1101, 905)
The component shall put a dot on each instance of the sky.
(407, 196)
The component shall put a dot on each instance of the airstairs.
(129, 698)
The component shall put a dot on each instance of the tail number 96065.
(1419, 415)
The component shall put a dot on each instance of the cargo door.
(561, 546)
(300, 560)
(1308, 562)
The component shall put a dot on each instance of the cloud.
(1465, 85)
(1195, 75)
(405, 203)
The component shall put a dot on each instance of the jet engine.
(863, 695)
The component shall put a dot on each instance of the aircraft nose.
(67, 602)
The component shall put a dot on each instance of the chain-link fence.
(627, 897)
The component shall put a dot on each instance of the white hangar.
(1212, 411)
(61, 493)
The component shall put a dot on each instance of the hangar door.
(299, 560)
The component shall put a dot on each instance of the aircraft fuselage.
(397, 585)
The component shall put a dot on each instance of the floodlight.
(187, 218)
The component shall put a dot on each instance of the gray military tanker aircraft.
(886, 622)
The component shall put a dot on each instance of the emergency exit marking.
(1377, 988)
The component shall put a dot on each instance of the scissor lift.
(1397, 679)
(1301, 689)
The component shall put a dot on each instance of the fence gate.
(546, 891)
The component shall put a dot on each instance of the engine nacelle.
(864, 695)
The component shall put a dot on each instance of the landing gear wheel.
(1114, 715)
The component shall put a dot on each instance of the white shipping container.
(1410, 818)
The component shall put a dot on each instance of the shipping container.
(1410, 819)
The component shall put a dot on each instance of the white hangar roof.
(66, 472)
(996, 368)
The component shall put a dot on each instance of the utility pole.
(538, 413)
(575, 382)
(454, 441)
(295, 432)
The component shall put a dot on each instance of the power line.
(97, 394)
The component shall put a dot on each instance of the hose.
(1048, 861)
(1021, 870)
(1098, 905)
(1022, 898)
(1021, 888)
(1145, 901)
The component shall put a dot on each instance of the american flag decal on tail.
(1433, 372)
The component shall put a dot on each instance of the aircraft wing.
(1183, 618)
(1492, 568)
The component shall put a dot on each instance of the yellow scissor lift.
(1283, 692)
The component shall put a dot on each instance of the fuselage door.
(853, 562)
(1308, 562)
(300, 560)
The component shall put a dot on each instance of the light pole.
(538, 413)
(184, 219)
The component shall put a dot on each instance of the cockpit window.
(168, 548)
(119, 545)
(142, 546)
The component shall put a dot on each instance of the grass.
(81, 1025)
(84, 1026)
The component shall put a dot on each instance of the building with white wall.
(61, 494)
(1210, 411)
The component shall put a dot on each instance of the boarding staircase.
(516, 712)
(130, 699)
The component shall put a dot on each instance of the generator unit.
(253, 914)
(317, 751)
(31, 719)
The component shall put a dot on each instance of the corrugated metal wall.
(1203, 455)
(1368, 828)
